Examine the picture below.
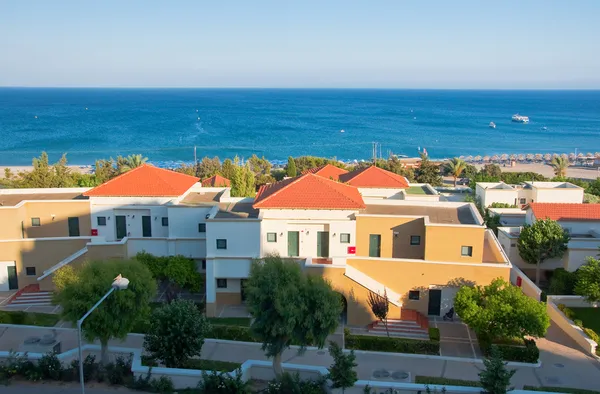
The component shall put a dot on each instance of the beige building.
(528, 192)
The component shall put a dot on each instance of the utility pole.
(374, 153)
(195, 158)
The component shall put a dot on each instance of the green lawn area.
(230, 321)
(445, 381)
(417, 190)
(29, 318)
(560, 390)
(589, 316)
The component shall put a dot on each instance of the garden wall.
(518, 278)
(566, 324)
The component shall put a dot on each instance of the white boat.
(492, 125)
(520, 118)
(342, 131)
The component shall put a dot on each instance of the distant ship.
(492, 125)
(520, 118)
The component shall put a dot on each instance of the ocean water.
(166, 124)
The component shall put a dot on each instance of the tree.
(470, 170)
(501, 310)
(588, 280)
(227, 169)
(428, 172)
(495, 378)
(341, 372)
(560, 165)
(456, 167)
(41, 176)
(62, 173)
(380, 306)
(594, 187)
(77, 290)
(105, 170)
(179, 272)
(208, 167)
(291, 167)
(544, 239)
(176, 333)
(259, 165)
(289, 306)
(492, 170)
(133, 161)
(249, 182)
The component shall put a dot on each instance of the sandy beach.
(586, 173)
(16, 169)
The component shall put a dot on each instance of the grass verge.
(446, 381)
(560, 390)
(194, 363)
(230, 321)
(29, 318)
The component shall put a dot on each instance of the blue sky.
(259, 43)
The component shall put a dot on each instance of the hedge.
(434, 334)
(560, 390)
(394, 345)
(195, 363)
(231, 333)
(29, 318)
(446, 381)
(525, 354)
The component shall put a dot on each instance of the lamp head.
(120, 283)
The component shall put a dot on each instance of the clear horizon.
(460, 45)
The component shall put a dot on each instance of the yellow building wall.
(401, 277)
(443, 243)
(392, 245)
(57, 226)
(10, 222)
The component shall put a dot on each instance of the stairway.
(412, 325)
(39, 298)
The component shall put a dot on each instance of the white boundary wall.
(567, 324)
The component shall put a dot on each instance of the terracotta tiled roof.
(308, 191)
(374, 177)
(327, 171)
(216, 181)
(145, 181)
(565, 211)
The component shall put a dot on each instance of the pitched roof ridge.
(290, 182)
(333, 186)
(110, 181)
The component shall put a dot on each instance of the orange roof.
(216, 181)
(565, 211)
(145, 181)
(327, 171)
(308, 191)
(374, 177)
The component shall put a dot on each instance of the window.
(466, 251)
(35, 222)
(203, 264)
(101, 220)
(221, 244)
(165, 222)
(522, 201)
(201, 227)
(271, 237)
(415, 240)
(513, 245)
(345, 238)
(221, 283)
(30, 271)
(414, 295)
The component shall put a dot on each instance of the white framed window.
(415, 240)
(345, 238)
(221, 283)
(221, 244)
(466, 251)
(271, 237)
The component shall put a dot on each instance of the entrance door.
(293, 243)
(322, 243)
(121, 224)
(146, 226)
(13, 283)
(73, 227)
(435, 302)
(374, 245)
(242, 292)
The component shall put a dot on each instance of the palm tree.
(560, 164)
(133, 161)
(455, 167)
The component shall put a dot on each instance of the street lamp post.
(119, 283)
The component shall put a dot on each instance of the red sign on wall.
(94, 232)
(519, 281)
(351, 249)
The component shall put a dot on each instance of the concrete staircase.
(412, 325)
(39, 298)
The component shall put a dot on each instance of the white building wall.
(231, 268)
(300, 214)
(489, 196)
(193, 248)
(576, 257)
(381, 193)
(233, 286)
(243, 238)
(558, 195)
(183, 221)
(157, 247)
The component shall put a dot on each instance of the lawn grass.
(446, 381)
(589, 316)
(560, 390)
(230, 321)
(417, 190)
(29, 318)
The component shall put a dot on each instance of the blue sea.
(166, 124)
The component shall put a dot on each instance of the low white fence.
(566, 324)
(518, 278)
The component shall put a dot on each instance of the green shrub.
(525, 354)
(396, 345)
(434, 334)
(163, 385)
(211, 365)
(90, 367)
(232, 333)
(592, 334)
(578, 323)
(50, 366)
(446, 381)
(566, 311)
(560, 390)
(223, 383)
(292, 384)
(117, 372)
(562, 282)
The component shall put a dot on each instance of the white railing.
(376, 287)
(64, 262)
